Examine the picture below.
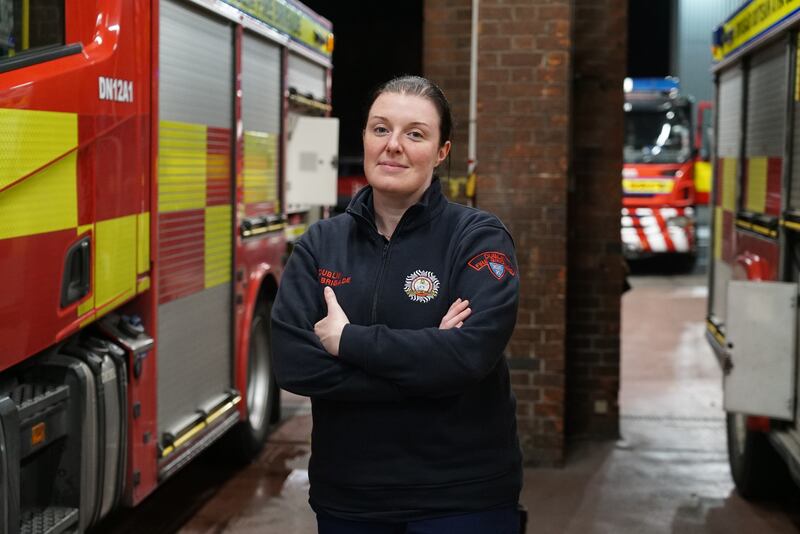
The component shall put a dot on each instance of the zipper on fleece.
(384, 255)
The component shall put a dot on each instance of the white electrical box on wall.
(312, 161)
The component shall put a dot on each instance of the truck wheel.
(757, 470)
(249, 436)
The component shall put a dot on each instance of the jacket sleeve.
(301, 363)
(432, 362)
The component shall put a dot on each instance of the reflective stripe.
(260, 162)
(718, 211)
(143, 239)
(182, 164)
(679, 238)
(46, 201)
(756, 185)
(657, 242)
(702, 177)
(729, 184)
(115, 259)
(32, 139)
(217, 245)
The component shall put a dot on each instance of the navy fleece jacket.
(410, 421)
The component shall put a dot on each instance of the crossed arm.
(329, 329)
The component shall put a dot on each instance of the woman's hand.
(329, 329)
(456, 315)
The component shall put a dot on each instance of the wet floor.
(668, 474)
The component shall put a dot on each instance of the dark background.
(649, 27)
(375, 41)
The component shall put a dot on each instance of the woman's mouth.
(392, 165)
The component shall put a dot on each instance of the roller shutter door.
(766, 130)
(766, 102)
(729, 138)
(195, 211)
(261, 114)
(307, 77)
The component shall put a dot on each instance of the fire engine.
(753, 284)
(156, 156)
(661, 151)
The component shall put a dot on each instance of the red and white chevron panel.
(657, 230)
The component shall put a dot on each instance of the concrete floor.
(668, 473)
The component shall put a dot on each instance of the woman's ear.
(444, 150)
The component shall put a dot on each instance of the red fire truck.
(660, 192)
(155, 157)
(753, 285)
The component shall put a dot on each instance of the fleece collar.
(428, 207)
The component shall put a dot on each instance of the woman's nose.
(393, 144)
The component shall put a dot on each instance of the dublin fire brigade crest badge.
(422, 286)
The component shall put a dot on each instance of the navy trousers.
(504, 520)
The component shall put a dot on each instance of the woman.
(393, 319)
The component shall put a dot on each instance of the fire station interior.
(644, 155)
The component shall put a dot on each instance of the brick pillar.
(549, 162)
(523, 134)
(446, 42)
(595, 265)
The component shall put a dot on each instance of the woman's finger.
(456, 308)
(453, 320)
(454, 305)
(462, 316)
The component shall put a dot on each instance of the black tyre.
(757, 469)
(261, 396)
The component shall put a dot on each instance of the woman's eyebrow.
(414, 123)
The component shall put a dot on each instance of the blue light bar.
(652, 85)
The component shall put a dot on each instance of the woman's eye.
(380, 130)
(415, 135)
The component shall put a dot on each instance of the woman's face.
(401, 145)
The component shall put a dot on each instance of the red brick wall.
(446, 45)
(549, 150)
(595, 268)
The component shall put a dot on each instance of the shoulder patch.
(498, 264)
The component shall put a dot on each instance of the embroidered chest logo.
(332, 278)
(422, 286)
(497, 262)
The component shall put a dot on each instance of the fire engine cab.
(156, 156)
(753, 285)
(658, 213)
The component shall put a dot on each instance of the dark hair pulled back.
(418, 86)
